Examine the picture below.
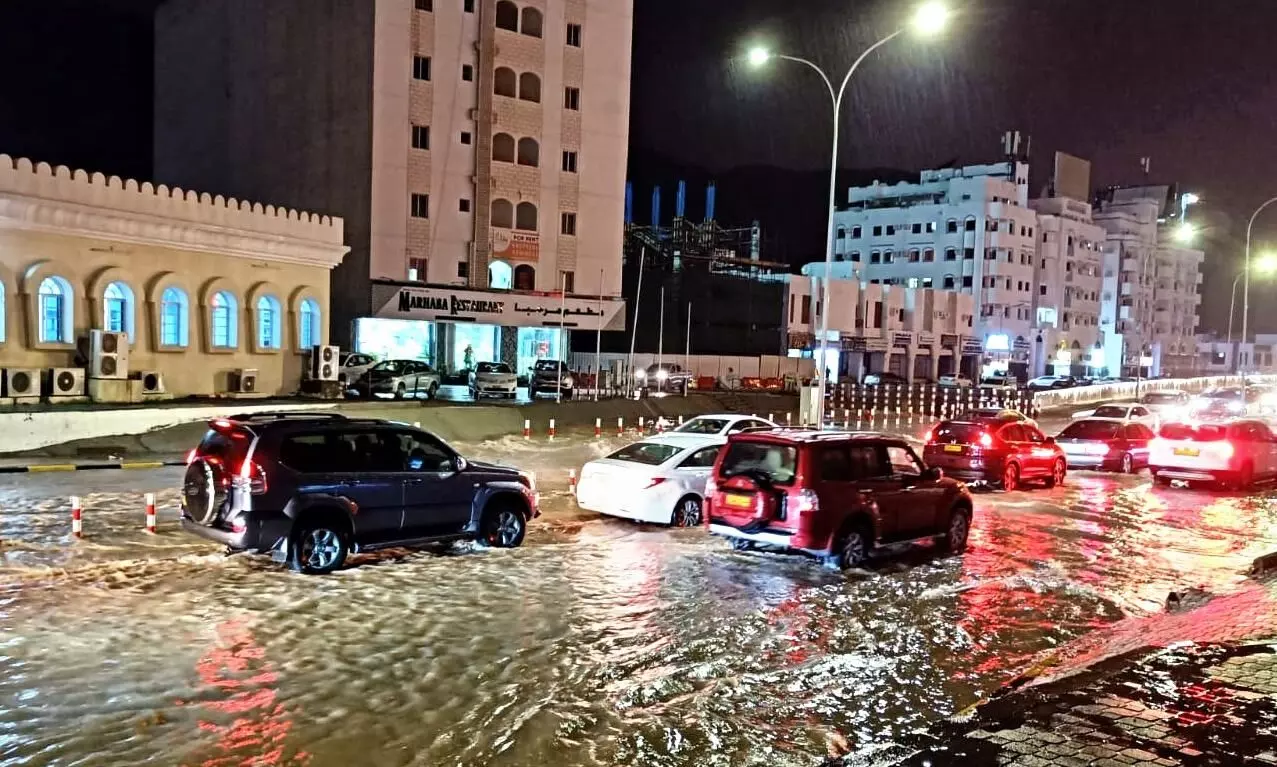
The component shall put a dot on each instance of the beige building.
(203, 287)
(475, 148)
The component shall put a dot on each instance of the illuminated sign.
(498, 308)
(998, 342)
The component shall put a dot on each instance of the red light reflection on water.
(250, 725)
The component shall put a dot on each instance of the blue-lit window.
(174, 318)
(268, 326)
(117, 309)
(308, 331)
(224, 325)
(55, 308)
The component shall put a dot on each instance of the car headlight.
(661, 375)
(640, 374)
(567, 381)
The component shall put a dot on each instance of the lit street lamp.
(1246, 268)
(1266, 265)
(1185, 233)
(929, 19)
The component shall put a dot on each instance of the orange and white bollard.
(640, 425)
(551, 428)
(598, 428)
(572, 481)
(680, 420)
(527, 429)
(77, 526)
(150, 513)
(789, 419)
(620, 427)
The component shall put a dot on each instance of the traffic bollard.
(527, 429)
(789, 419)
(598, 428)
(572, 481)
(620, 427)
(640, 425)
(77, 528)
(551, 428)
(150, 513)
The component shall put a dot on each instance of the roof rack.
(286, 415)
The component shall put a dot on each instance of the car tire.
(318, 546)
(1010, 477)
(687, 513)
(504, 526)
(955, 537)
(401, 391)
(1245, 477)
(1160, 480)
(1056, 477)
(852, 547)
(740, 544)
(433, 391)
(1127, 465)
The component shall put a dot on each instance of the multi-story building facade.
(1151, 281)
(1067, 288)
(475, 148)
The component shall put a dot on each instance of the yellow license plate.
(1187, 451)
(738, 501)
(953, 448)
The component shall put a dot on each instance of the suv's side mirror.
(932, 473)
(1049, 440)
(459, 464)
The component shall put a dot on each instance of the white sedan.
(493, 379)
(1126, 412)
(658, 480)
(723, 425)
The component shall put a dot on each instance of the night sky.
(1181, 81)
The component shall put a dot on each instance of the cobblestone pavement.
(1208, 696)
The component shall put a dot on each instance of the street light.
(1185, 233)
(1246, 267)
(928, 20)
(1266, 264)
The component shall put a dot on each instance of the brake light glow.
(1225, 449)
(986, 439)
(254, 475)
(929, 437)
(654, 482)
(221, 423)
(190, 457)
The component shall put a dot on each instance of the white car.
(722, 425)
(493, 379)
(954, 382)
(1235, 453)
(1167, 405)
(400, 379)
(1126, 412)
(658, 480)
(353, 365)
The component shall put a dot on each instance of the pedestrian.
(468, 358)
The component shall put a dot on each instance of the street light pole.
(1232, 307)
(1246, 268)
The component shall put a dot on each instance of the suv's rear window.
(1203, 433)
(957, 433)
(548, 366)
(1110, 411)
(493, 367)
(649, 453)
(228, 447)
(779, 463)
(1090, 430)
(702, 426)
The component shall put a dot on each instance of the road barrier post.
(77, 528)
(598, 428)
(551, 428)
(150, 513)
(620, 426)
(527, 428)
(572, 481)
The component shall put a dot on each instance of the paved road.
(599, 642)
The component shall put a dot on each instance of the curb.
(44, 468)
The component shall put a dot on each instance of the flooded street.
(599, 642)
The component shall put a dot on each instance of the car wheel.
(318, 547)
(687, 513)
(955, 538)
(1128, 464)
(851, 549)
(1245, 477)
(401, 391)
(1057, 473)
(504, 527)
(1161, 481)
(433, 391)
(1010, 477)
(740, 544)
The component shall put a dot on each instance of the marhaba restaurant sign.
(499, 308)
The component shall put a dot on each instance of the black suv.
(552, 377)
(313, 488)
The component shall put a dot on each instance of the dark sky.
(1185, 82)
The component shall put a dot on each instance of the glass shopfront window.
(396, 339)
(484, 341)
(540, 344)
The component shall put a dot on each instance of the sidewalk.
(1196, 685)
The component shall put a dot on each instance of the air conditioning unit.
(244, 381)
(65, 382)
(22, 382)
(109, 356)
(325, 363)
(152, 381)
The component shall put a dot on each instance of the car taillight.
(986, 439)
(929, 437)
(190, 457)
(805, 501)
(255, 476)
(654, 482)
(1225, 449)
(711, 487)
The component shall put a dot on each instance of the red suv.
(1003, 449)
(833, 495)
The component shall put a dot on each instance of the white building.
(475, 148)
(1150, 295)
(1067, 288)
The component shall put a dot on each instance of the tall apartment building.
(475, 148)
(1151, 285)
(1067, 285)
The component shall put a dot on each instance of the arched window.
(507, 16)
(224, 320)
(499, 275)
(529, 152)
(529, 87)
(525, 277)
(502, 214)
(3, 315)
(532, 22)
(503, 148)
(56, 308)
(174, 318)
(308, 328)
(268, 325)
(505, 82)
(525, 218)
(117, 309)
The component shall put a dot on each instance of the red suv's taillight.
(986, 439)
(253, 474)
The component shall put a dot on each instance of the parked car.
(1132, 412)
(954, 382)
(1222, 402)
(1167, 405)
(665, 377)
(1002, 450)
(1047, 383)
(836, 496)
(1106, 445)
(313, 488)
(884, 379)
(552, 377)
(1236, 453)
(659, 480)
(493, 379)
(399, 378)
(1000, 380)
(723, 425)
(353, 365)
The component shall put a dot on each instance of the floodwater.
(599, 642)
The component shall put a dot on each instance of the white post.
(598, 341)
(660, 338)
(638, 296)
(563, 336)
